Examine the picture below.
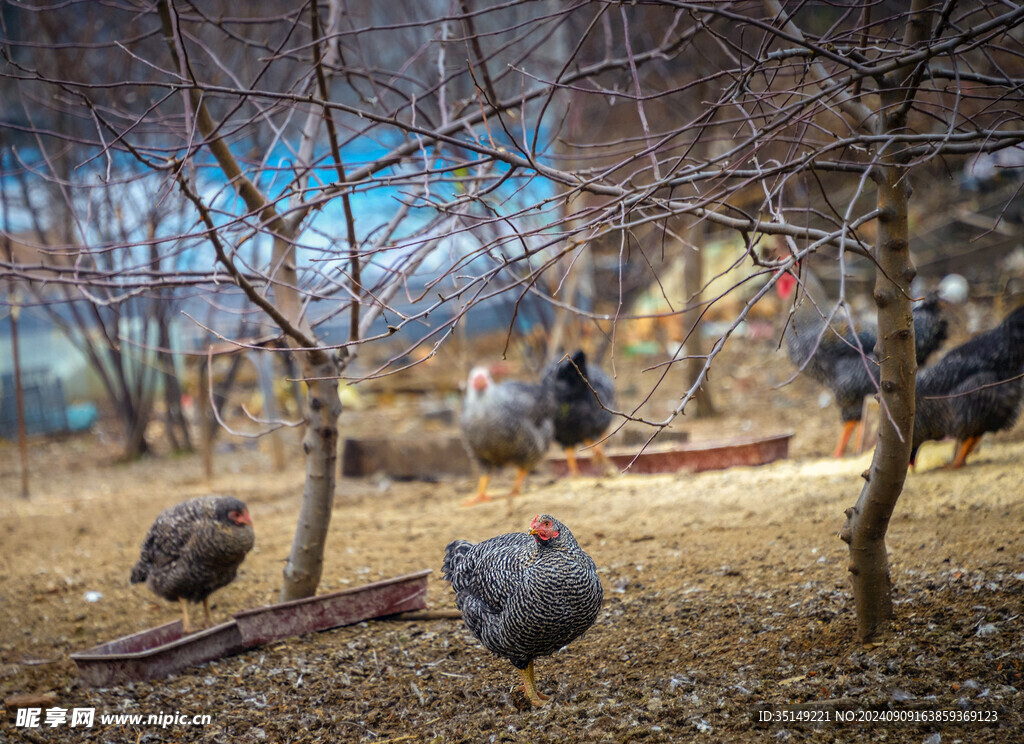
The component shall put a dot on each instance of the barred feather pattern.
(971, 390)
(507, 423)
(522, 597)
(583, 393)
(193, 549)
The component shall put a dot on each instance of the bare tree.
(359, 177)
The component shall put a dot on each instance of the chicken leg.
(570, 461)
(599, 458)
(186, 626)
(481, 492)
(536, 697)
(844, 438)
(517, 487)
(966, 447)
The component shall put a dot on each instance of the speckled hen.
(507, 423)
(525, 594)
(974, 389)
(583, 396)
(193, 549)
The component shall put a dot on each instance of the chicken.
(583, 394)
(844, 361)
(525, 594)
(193, 549)
(974, 389)
(507, 423)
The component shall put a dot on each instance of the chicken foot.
(965, 448)
(599, 458)
(536, 697)
(186, 623)
(570, 461)
(481, 496)
(844, 438)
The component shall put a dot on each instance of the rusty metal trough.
(389, 597)
(695, 457)
(155, 653)
(162, 651)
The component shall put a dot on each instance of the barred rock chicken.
(507, 423)
(193, 549)
(975, 388)
(834, 356)
(525, 595)
(583, 394)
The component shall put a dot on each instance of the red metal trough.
(695, 457)
(162, 651)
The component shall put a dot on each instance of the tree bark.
(868, 520)
(693, 279)
(19, 399)
(320, 443)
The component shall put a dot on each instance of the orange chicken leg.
(570, 461)
(481, 492)
(844, 438)
(965, 448)
(517, 487)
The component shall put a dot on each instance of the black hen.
(194, 549)
(525, 595)
(844, 361)
(507, 423)
(583, 394)
(975, 388)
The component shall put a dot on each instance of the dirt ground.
(725, 592)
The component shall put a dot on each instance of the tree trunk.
(693, 279)
(174, 418)
(868, 520)
(323, 407)
(320, 369)
(264, 364)
(206, 421)
(19, 401)
(134, 413)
